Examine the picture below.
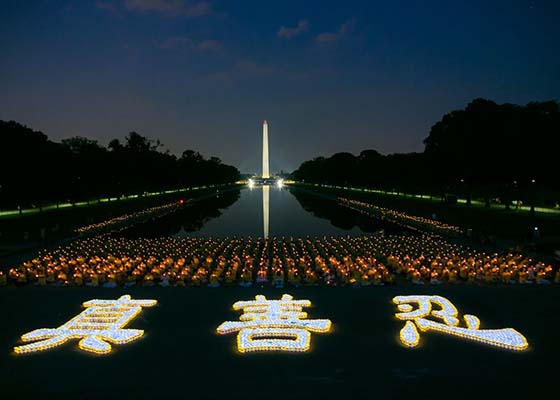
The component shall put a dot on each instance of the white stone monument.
(265, 171)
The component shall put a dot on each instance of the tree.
(80, 168)
(486, 149)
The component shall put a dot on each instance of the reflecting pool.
(263, 211)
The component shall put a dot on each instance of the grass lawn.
(181, 356)
(513, 226)
(21, 233)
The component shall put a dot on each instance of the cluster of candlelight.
(265, 325)
(101, 323)
(332, 260)
(419, 224)
(204, 261)
(433, 260)
(443, 318)
(273, 325)
(127, 220)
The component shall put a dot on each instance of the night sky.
(327, 75)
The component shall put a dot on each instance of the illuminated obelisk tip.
(265, 172)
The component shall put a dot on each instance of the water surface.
(263, 211)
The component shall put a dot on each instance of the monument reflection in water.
(266, 204)
(265, 207)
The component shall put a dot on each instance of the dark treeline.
(489, 151)
(35, 170)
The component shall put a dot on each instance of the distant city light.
(280, 183)
(251, 183)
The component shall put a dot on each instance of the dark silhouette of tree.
(497, 150)
(89, 165)
(485, 150)
(36, 170)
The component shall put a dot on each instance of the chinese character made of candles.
(273, 325)
(101, 322)
(417, 319)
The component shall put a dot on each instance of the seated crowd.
(328, 261)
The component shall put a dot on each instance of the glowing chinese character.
(508, 338)
(101, 322)
(273, 325)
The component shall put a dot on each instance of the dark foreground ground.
(181, 356)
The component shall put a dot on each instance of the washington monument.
(265, 171)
